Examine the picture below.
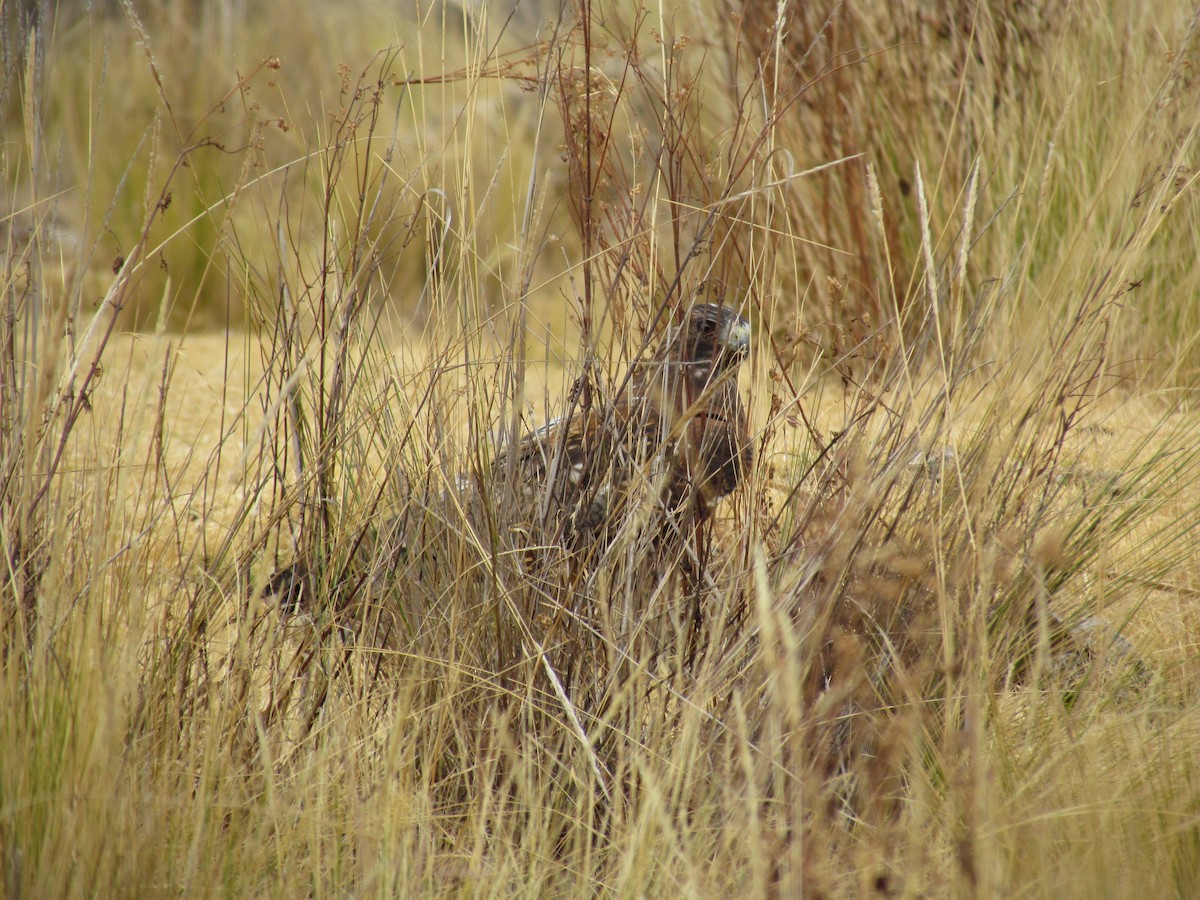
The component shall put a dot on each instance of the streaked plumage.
(675, 434)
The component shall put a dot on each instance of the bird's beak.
(736, 338)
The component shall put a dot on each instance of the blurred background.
(1066, 116)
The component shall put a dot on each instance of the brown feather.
(679, 427)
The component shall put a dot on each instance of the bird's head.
(711, 340)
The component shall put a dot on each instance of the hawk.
(672, 440)
(676, 432)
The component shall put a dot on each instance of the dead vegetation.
(270, 624)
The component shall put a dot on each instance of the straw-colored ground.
(215, 374)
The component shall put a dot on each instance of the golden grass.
(273, 284)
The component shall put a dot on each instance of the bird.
(670, 442)
(675, 433)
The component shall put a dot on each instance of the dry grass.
(940, 642)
